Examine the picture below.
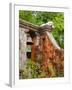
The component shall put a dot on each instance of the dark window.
(28, 55)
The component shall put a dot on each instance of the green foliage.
(30, 70)
(35, 70)
(38, 18)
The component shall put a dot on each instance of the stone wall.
(22, 47)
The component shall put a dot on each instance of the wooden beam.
(28, 25)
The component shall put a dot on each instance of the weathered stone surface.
(22, 47)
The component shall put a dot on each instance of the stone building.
(38, 44)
